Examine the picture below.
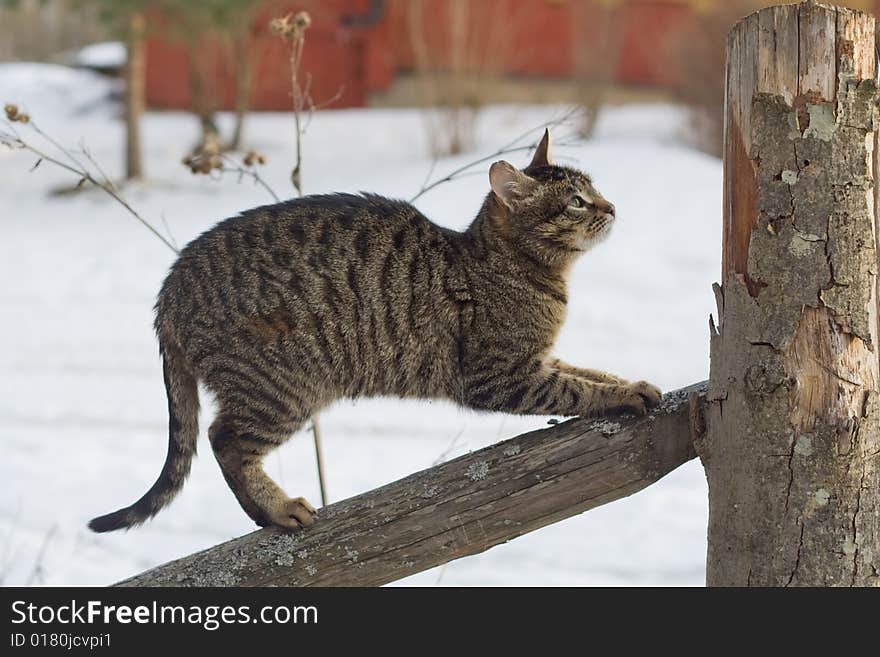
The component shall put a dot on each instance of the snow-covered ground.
(82, 404)
(108, 55)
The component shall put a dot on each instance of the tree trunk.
(241, 55)
(595, 59)
(791, 453)
(201, 91)
(458, 508)
(135, 94)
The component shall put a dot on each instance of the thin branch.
(448, 450)
(168, 230)
(434, 161)
(85, 151)
(314, 107)
(247, 171)
(14, 140)
(512, 146)
(33, 125)
(298, 105)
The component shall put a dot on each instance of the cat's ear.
(508, 183)
(542, 153)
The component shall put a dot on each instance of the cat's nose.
(607, 207)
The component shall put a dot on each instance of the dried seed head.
(302, 20)
(14, 115)
(203, 162)
(291, 27)
(253, 158)
(280, 26)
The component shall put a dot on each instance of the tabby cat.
(288, 307)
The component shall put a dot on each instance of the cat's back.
(321, 251)
(312, 231)
(306, 223)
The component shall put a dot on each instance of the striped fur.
(288, 307)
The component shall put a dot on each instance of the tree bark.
(135, 94)
(459, 508)
(202, 94)
(791, 453)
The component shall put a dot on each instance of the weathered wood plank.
(455, 509)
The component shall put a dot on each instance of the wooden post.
(792, 453)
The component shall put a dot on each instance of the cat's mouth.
(597, 234)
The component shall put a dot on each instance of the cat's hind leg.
(240, 445)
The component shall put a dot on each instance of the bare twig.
(12, 139)
(168, 230)
(244, 170)
(85, 151)
(314, 107)
(319, 458)
(513, 146)
(210, 161)
(292, 28)
(446, 452)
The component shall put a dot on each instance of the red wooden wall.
(549, 38)
(333, 58)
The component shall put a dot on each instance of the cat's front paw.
(293, 513)
(640, 396)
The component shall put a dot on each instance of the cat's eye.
(579, 202)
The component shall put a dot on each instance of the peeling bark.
(793, 432)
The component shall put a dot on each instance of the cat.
(285, 308)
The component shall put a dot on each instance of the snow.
(105, 55)
(41, 88)
(82, 404)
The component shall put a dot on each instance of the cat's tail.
(183, 429)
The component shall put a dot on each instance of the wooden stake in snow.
(792, 453)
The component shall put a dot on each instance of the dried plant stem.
(231, 165)
(319, 459)
(14, 140)
(298, 103)
(293, 30)
(299, 98)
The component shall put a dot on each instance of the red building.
(355, 47)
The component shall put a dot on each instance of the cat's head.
(554, 213)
